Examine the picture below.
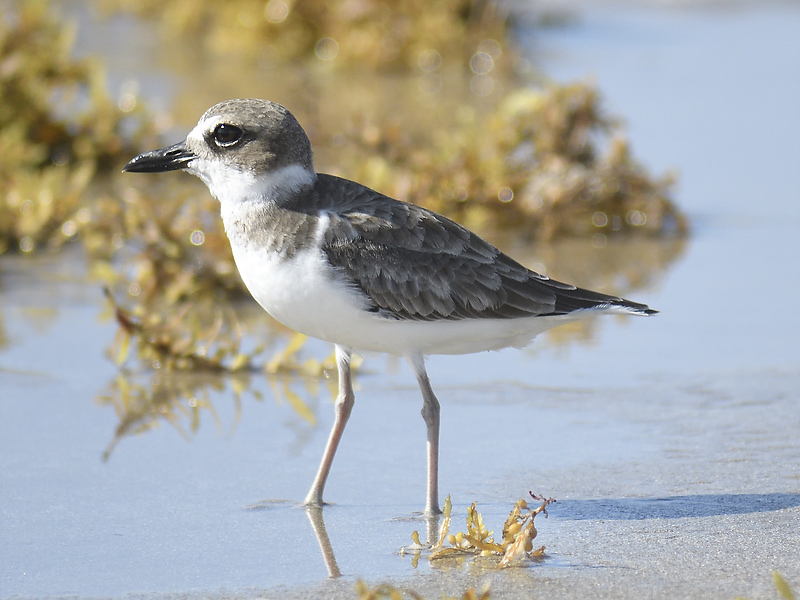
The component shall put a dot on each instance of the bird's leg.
(342, 409)
(430, 413)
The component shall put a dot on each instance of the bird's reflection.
(432, 526)
(317, 519)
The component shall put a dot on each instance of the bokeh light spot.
(327, 49)
(276, 11)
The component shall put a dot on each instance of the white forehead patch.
(197, 136)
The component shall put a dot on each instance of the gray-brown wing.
(415, 264)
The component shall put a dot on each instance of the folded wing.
(414, 264)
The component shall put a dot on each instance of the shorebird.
(335, 260)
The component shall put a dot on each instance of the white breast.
(301, 292)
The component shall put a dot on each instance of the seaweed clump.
(514, 547)
(545, 162)
(367, 33)
(58, 129)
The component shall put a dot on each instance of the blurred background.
(148, 407)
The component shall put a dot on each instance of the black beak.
(158, 161)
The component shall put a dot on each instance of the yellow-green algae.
(344, 33)
(514, 547)
(58, 128)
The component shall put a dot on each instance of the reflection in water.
(318, 525)
(316, 517)
(3, 335)
(181, 398)
(53, 280)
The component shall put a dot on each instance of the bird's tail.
(570, 300)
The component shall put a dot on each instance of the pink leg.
(430, 413)
(342, 409)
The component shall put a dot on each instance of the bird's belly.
(304, 294)
(300, 292)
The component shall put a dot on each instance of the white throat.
(232, 186)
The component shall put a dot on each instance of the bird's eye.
(226, 135)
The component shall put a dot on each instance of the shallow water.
(671, 443)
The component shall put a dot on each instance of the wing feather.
(412, 263)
